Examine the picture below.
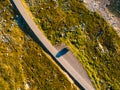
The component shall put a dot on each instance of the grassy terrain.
(87, 35)
(23, 63)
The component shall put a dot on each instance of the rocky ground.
(100, 7)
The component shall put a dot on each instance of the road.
(53, 51)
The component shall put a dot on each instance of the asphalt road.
(51, 48)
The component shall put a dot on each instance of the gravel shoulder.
(74, 62)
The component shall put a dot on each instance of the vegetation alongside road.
(23, 63)
(86, 33)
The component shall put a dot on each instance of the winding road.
(53, 51)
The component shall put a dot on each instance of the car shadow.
(62, 52)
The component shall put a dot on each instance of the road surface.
(53, 51)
